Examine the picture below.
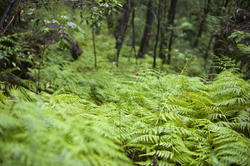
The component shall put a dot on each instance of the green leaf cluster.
(112, 118)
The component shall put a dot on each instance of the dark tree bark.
(168, 27)
(226, 3)
(147, 30)
(163, 32)
(6, 13)
(121, 29)
(158, 32)
(202, 23)
(133, 50)
(171, 17)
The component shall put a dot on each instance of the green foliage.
(99, 118)
(10, 52)
(59, 131)
(231, 102)
(239, 36)
(16, 58)
(94, 12)
(130, 115)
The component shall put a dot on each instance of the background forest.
(124, 82)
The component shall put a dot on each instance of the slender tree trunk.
(94, 46)
(147, 30)
(168, 27)
(163, 32)
(121, 29)
(202, 23)
(207, 52)
(226, 3)
(171, 17)
(133, 49)
(158, 32)
(170, 46)
(6, 13)
(109, 19)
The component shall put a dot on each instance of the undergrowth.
(127, 116)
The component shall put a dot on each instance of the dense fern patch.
(130, 115)
(110, 118)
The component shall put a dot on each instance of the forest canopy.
(124, 82)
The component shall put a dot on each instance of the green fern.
(116, 117)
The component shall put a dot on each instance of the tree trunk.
(207, 52)
(6, 13)
(170, 46)
(121, 29)
(171, 17)
(109, 19)
(163, 39)
(94, 46)
(133, 50)
(147, 30)
(226, 3)
(168, 26)
(203, 20)
(158, 32)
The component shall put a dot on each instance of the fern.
(32, 134)
(231, 100)
(116, 117)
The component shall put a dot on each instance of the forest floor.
(123, 116)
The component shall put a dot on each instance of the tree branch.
(6, 13)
